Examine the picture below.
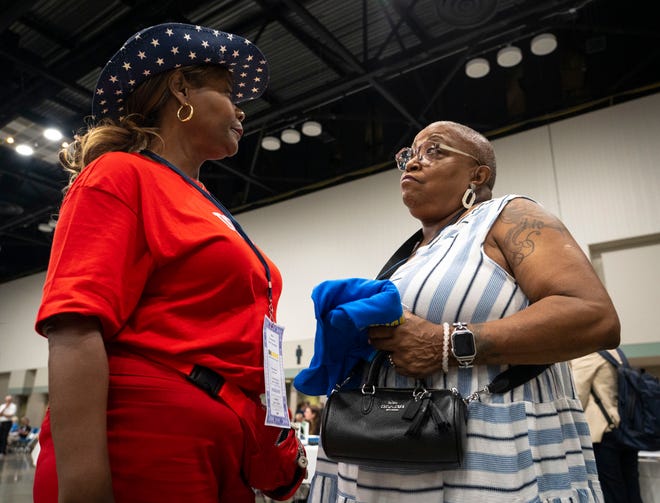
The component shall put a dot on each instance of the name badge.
(277, 410)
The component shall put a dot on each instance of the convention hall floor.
(16, 476)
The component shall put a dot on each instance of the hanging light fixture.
(290, 136)
(509, 56)
(477, 68)
(270, 143)
(312, 128)
(543, 44)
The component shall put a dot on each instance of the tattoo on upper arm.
(524, 225)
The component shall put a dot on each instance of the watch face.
(463, 343)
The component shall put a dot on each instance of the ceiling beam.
(26, 219)
(14, 11)
(394, 32)
(64, 71)
(322, 31)
(242, 175)
(405, 13)
(43, 183)
(315, 47)
(27, 239)
(415, 57)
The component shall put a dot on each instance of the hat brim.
(167, 46)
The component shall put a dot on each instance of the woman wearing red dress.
(155, 299)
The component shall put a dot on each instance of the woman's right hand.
(78, 390)
(416, 345)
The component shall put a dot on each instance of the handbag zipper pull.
(421, 417)
(411, 409)
(439, 418)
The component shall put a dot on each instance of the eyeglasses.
(428, 152)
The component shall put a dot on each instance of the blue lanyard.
(226, 212)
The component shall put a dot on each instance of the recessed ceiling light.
(270, 143)
(509, 56)
(543, 44)
(290, 136)
(312, 128)
(52, 134)
(24, 149)
(477, 68)
(44, 227)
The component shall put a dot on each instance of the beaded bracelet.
(445, 348)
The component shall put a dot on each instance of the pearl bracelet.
(445, 348)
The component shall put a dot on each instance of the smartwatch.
(462, 345)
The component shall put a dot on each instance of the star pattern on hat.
(172, 45)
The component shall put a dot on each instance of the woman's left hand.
(416, 345)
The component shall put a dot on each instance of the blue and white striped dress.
(529, 445)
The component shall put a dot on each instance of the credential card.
(277, 410)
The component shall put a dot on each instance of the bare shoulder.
(523, 211)
(522, 226)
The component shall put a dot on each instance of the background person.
(312, 414)
(24, 427)
(7, 412)
(155, 299)
(618, 465)
(523, 292)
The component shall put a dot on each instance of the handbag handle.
(503, 382)
(374, 368)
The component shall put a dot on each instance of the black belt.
(211, 382)
(206, 379)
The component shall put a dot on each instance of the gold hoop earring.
(188, 116)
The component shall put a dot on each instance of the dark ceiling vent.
(8, 209)
(466, 13)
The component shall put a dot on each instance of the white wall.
(607, 171)
(598, 172)
(633, 277)
(20, 346)
(525, 166)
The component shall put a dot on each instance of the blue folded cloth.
(344, 310)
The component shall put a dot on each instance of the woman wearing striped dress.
(514, 277)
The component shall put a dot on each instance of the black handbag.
(415, 428)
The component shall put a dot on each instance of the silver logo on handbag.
(392, 406)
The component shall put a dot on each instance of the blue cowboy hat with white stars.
(167, 46)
